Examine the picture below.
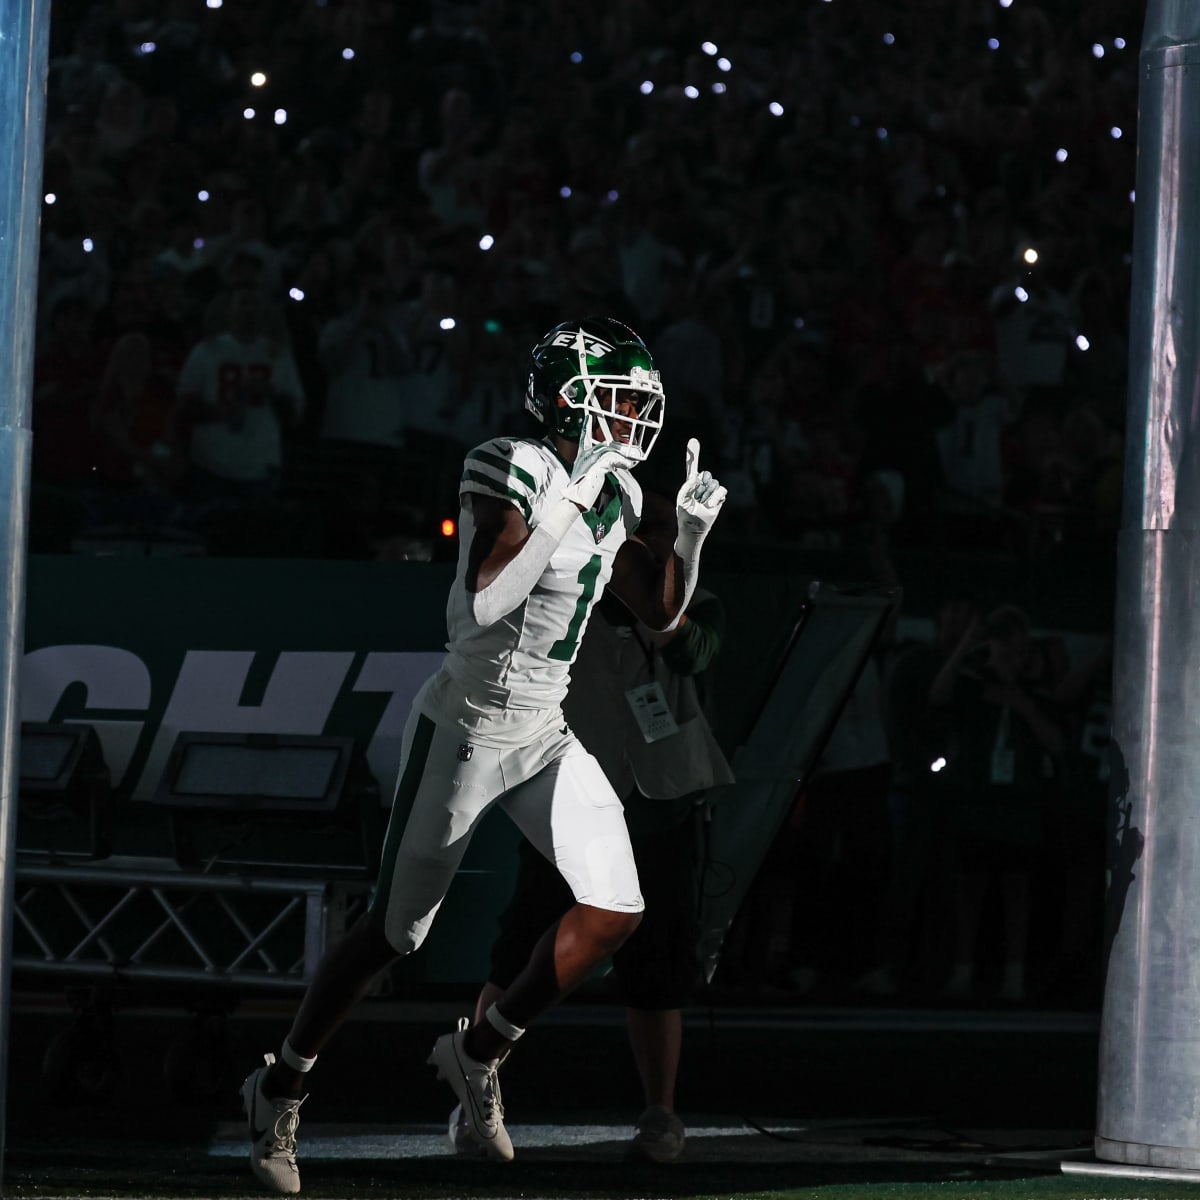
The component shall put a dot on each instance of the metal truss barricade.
(141, 922)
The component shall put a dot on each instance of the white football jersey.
(524, 659)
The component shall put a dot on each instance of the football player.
(546, 525)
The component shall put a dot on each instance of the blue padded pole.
(1148, 1106)
(24, 45)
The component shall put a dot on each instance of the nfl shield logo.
(601, 530)
(465, 751)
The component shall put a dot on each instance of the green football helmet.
(593, 381)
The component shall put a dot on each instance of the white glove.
(697, 503)
(591, 466)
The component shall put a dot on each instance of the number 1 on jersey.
(564, 648)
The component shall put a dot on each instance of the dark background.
(827, 247)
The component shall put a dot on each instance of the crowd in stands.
(293, 257)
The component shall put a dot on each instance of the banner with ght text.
(144, 649)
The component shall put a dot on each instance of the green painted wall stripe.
(406, 792)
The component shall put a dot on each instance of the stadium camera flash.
(50, 197)
(1030, 256)
(718, 88)
(147, 47)
(88, 245)
(347, 54)
(691, 91)
(723, 64)
(647, 86)
(248, 113)
(1097, 50)
(1119, 43)
(993, 43)
(486, 242)
(937, 765)
(576, 57)
(889, 39)
(1116, 132)
(258, 79)
(213, 3)
(281, 116)
(202, 195)
(775, 108)
(709, 48)
(447, 323)
(1061, 154)
(296, 293)
(565, 192)
(449, 528)
(1021, 294)
(1082, 343)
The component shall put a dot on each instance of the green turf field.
(836, 1161)
(941, 1105)
(422, 1179)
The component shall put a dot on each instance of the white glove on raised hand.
(697, 503)
(587, 476)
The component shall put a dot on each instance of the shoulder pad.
(511, 469)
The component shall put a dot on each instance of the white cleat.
(458, 1133)
(273, 1125)
(477, 1087)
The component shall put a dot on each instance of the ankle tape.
(502, 1025)
(296, 1061)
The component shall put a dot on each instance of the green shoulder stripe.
(499, 463)
(495, 488)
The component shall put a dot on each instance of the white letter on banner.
(114, 678)
(207, 699)
(402, 674)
